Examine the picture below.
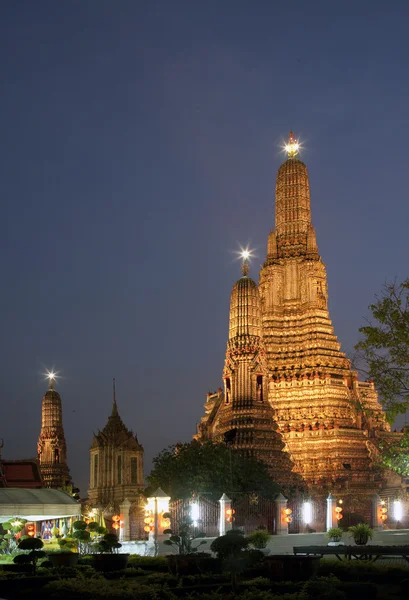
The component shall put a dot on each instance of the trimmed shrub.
(356, 590)
(361, 570)
(230, 544)
(150, 563)
(101, 589)
(259, 538)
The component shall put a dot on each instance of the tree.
(13, 527)
(385, 347)
(34, 545)
(196, 468)
(187, 534)
(395, 455)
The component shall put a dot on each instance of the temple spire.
(292, 203)
(114, 405)
(51, 447)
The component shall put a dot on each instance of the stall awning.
(36, 504)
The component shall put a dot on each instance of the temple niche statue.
(287, 383)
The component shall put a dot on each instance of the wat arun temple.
(290, 395)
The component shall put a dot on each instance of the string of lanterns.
(149, 521)
(338, 511)
(116, 519)
(230, 512)
(288, 518)
(383, 511)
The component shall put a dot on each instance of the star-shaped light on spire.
(292, 147)
(245, 254)
(51, 376)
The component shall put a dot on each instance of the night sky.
(140, 142)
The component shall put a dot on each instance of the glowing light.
(397, 510)
(194, 513)
(16, 523)
(288, 511)
(307, 512)
(51, 376)
(292, 147)
(245, 254)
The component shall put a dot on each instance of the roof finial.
(292, 147)
(51, 376)
(114, 405)
(245, 269)
(245, 254)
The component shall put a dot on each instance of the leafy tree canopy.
(385, 347)
(395, 456)
(209, 469)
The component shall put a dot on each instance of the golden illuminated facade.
(116, 464)
(284, 356)
(51, 447)
(242, 416)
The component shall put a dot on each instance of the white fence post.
(330, 512)
(281, 523)
(224, 524)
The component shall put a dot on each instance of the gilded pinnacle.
(245, 269)
(292, 147)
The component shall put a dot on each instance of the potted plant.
(67, 556)
(108, 557)
(259, 539)
(361, 533)
(34, 545)
(335, 535)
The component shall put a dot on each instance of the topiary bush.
(259, 538)
(231, 544)
(34, 545)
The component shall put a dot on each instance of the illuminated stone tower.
(116, 463)
(285, 372)
(52, 449)
(330, 422)
(242, 415)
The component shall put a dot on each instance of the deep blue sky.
(140, 144)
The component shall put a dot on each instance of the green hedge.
(101, 589)
(361, 570)
(150, 563)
